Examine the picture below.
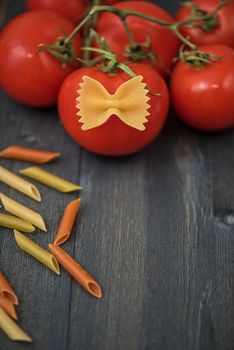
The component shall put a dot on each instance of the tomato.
(114, 137)
(30, 76)
(222, 33)
(110, 2)
(204, 97)
(164, 43)
(71, 9)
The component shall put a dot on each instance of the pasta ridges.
(28, 154)
(37, 252)
(12, 330)
(6, 290)
(22, 212)
(49, 179)
(67, 222)
(76, 271)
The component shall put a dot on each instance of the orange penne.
(66, 224)
(76, 271)
(28, 154)
(7, 305)
(7, 291)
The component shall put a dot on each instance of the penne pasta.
(22, 212)
(39, 253)
(76, 271)
(6, 290)
(12, 330)
(19, 184)
(13, 222)
(28, 155)
(66, 224)
(49, 179)
(7, 305)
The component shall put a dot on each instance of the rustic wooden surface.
(155, 229)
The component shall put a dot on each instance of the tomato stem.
(87, 32)
(90, 19)
(123, 14)
(205, 18)
(129, 33)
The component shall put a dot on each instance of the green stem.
(183, 38)
(87, 35)
(193, 18)
(78, 28)
(123, 14)
(129, 33)
(126, 69)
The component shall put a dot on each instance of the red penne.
(7, 305)
(28, 154)
(67, 222)
(76, 271)
(7, 291)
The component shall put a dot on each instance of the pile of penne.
(23, 219)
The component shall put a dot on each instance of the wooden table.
(155, 229)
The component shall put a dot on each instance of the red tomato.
(110, 2)
(204, 97)
(223, 33)
(29, 76)
(71, 9)
(114, 137)
(164, 43)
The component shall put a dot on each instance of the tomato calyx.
(197, 58)
(141, 51)
(108, 62)
(202, 19)
(62, 50)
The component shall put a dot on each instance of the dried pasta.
(13, 222)
(19, 184)
(76, 271)
(49, 179)
(12, 330)
(28, 154)
(7, 290)
(66, 224)
(22, 212)
(39, 253)
(7, 305)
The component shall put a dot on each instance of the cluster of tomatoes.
(201, 88)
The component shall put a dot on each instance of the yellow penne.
(19, 184)
(13, 222)
(39, 253)
(50, 179)
(12, 330)
(22, 212)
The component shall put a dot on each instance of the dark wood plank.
(223, 163)
(44, 297)
(155, 229)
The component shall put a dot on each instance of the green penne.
(19, 184)
(50, 179)
(12, 330)
(22, 212)
(13, 222)
(39, 253)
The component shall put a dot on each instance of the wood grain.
(156, 230)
